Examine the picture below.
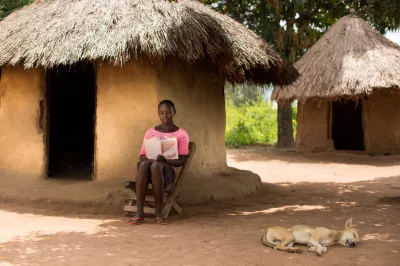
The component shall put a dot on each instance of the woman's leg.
(142, 182)
(157, 180)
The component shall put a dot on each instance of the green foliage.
(294, 26)
(251, 118)
(384, 15)
(294, 119)
(250, 123)
(8, 6)
(240, 94)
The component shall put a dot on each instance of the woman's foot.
(136, 220)
(161, 221)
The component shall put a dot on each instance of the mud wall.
(21, 136)
(381, 115)
(312, 126)
(127, 99)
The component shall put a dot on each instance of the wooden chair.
(170, 192)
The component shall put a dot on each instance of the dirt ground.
(323, 189)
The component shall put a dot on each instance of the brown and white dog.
(317, 238)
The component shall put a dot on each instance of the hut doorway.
(347, 125)
(71, 94)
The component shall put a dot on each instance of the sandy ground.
(316, 189)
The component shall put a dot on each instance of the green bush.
(250, 123)
(294, 119)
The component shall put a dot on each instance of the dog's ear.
(349, 224)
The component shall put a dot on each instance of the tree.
(384, 15)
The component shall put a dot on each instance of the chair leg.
(167, 209)
(177, 208)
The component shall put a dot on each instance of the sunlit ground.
(29, 227)
(292, 208)
(319, 167)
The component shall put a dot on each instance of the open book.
(166, 147)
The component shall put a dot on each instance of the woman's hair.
(168, 102)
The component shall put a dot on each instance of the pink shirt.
(181, 136)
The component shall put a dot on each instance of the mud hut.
(348, 93)
(80, 81)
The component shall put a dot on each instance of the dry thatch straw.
(54, 32)
(349, 61)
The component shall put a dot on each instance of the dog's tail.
(265, 242)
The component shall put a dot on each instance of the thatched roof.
(349, 61)
(48, 33)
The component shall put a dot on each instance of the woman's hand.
(161, 159)
(144, 158)
(175, 163)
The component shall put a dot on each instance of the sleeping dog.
(317, 238)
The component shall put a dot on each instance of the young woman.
(160, 172)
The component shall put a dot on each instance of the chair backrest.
(192, 150)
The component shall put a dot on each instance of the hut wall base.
(197, 188)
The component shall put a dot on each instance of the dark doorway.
(71, 106)
(347, 126)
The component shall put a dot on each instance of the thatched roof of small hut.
(48, 33)
(349, 61)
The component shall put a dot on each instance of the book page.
(169, 148)
(153, 148)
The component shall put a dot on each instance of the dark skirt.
(168, 173)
